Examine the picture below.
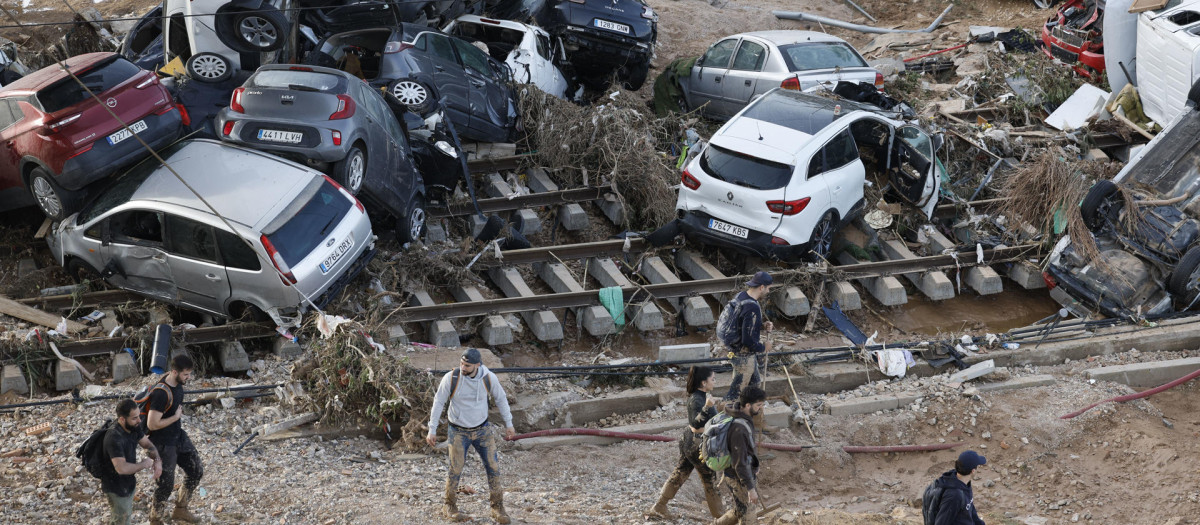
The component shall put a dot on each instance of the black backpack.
(92, 453)
(931, 501)
(729, 324)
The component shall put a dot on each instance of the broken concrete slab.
(13, 380)
(688, 352)
(974, 371)
(934, 284)
(124, 367)
(1142, 375)
(233, 357)
(66, 376)
(1018, 383)
(870, 404)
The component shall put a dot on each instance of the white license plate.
(337, 253)
(123, 134)
(274, 135)
(725, 227)
(612, 26)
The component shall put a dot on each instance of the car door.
(489, 96)
(839, 168)
(133, 255)
(192, 256)
(917, 173)
(448, 76)
(704, 84)
(379, 154)
(744, 73)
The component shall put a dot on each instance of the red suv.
(55, 138)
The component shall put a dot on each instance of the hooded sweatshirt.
(958, 503)
(469, 406)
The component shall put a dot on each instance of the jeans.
(179, 452)
(747, 372)
(122, 508)
(486, 441)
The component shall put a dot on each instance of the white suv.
(785, 173)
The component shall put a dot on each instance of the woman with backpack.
(700, 382)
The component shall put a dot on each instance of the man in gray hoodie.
(467, 389)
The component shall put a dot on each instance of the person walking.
(120, 445)
(700, 382)
(164, 421)
(466, 390)
(742, 475)
(955, 505)
(747, 351)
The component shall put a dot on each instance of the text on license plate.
(337, 254)
(612, 26)
(725, 227)
(274, 135)
(123, 134)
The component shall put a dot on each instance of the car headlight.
(649, 14)
(446, 148)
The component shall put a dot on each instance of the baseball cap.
(760, 279)
(471, 355)
(971, 460)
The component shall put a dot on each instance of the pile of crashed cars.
(282, 129)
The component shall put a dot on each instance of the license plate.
(123, 134)
(725, 227)
(336, 254)
(612, 26)
(274, 135)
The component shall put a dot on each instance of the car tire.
(637, 74)
(412, 226)
(350, 171)
(52, 199)
(414, 94)
(821, 243)
(80, 271)
(209, 67)
(253, 31)
(1182, 275)
(1097, 204)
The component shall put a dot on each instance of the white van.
(1168, 58)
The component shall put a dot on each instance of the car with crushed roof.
(602, 38)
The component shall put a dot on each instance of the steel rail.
(490, 164)
(564, 252)
(534, 200)
(103, 297)
(209, 334)
(703, 286)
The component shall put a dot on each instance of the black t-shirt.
(158, 401)
(119, 443)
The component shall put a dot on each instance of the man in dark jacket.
(742, 475)
(749, 356)
(957, 505)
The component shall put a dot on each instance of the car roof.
(53, 73)
(304, 68)
(244, 185)
(786, 120)
(507, 24)
(782, 38)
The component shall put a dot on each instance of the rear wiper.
(325, 228)
(300, 87)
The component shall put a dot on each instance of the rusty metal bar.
(535, 200)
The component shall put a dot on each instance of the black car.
(436, 13)
(602, 37)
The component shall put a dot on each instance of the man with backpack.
(741, 474)
(740, 328)
(466, 389)
(163, 409)
(120, 453)
(949, 500)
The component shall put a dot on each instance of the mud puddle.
(1014, 308)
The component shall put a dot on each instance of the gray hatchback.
(335, 122)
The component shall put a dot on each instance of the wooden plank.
(1140, 6)
(43, 230)
(33, 315)
(291, 422)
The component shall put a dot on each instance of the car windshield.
(311, 224)
(302, 80)
(103, 77)
(744, 170)
(123, 188)
(820, 55)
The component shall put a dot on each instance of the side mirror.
(106, 236)
(700, 61)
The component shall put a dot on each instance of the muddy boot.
(714, 502)
(450, 509)
(498, 513)
(181, 512)
(157, 512)
(729, 518)
(659, 510)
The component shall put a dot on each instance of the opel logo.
(329, 242)
(729, 195)
(111, 102)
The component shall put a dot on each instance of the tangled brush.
(620, 138)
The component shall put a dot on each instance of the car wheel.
(637, 76)
(80, 271)
(1099, 202)
(253, 31)
(350, 171)
(209, 67)
(410, 227)
(413, 94)
(1186, 272)
(50, 197)
(822, 237)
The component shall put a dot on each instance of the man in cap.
(956, 504)
(747, 352)
(467, 389)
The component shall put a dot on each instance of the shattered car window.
(67, 92)
(286, 79)
(823, 55)
(744, 170)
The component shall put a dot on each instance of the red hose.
(591, 432)
(901, 448)
(785, 448)
(1139, 395)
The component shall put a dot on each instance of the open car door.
(915, 172)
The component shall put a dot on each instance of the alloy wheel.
(416, 222)
(257, 31)
(354, 175)
(47, 198)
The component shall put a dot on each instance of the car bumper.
(103, 159)
(316, 144)
(606, 47)
(694, 225)
(335, 288)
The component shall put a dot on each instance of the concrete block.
(698, 268)
(974, 371)
(545, 326)
(845, 295)
(984, 280)
(476, 222)
(684, 352)
(66, 376)
(697, 312)
(233, 357)
(495, 331)
(870, 404)
(572, 217)
(123, 367)
(596, 319)
(25, 267)
(938, 243)
(1026, 274)
(397, 335)
(495, 186)
(887, 289)
(13, 380)
(657, 272)
(439, 332)
(934, 284)
(1139, 375)
(613, 208)
(790, 301)
(529, 221)
(1018, 383)
(435, 232)
(286, 348)
(774, 416)
(539, 181)
(645, 317)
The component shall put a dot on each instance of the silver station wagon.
(278, 237)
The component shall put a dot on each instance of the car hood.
(761, 139)
(628, 12)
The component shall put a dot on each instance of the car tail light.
(879, 81)
(690, 181)
(228, 128)
(300, 68)
(56, 126)
(337, 138)
(145, 83)
(395, 47)
(82, 150)
(235, 102)
(788, 207)
(1050, 282)
(345, 108)
(165, 109)
(778, 242)
(285, 272)
(357, 203)
(184, 118)
(792, 83)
